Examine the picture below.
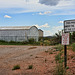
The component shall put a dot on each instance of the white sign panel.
(69, 25)
(65, 39)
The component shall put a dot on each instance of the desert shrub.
(46, 42)
(30, 66)
(73, 46)
(12, 42)
(31, 41)
(41, 38)
(25, 42)
(37, 43)
(16, 67)
(2, 41)
(41, 43)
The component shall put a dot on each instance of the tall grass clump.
(59, 70)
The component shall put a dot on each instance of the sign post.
(65, 42)
(69, 26)
(65, 56)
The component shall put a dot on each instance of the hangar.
(19, 33)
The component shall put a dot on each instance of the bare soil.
(43, 62)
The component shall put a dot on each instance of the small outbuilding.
(19, 33)
(40, 33)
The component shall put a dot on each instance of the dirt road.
(22, 55)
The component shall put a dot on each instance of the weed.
(46, 51)
(36, 57)
(57, 57)
(50, 52)
(72, 57)
(52, 62)
(16, 67)
(59, 70)
(58, 48)
(31, 55)
(45, 60)
(73, 47)
(67, 67)
(30, 66)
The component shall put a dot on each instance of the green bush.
(16, 67)
(73, 47)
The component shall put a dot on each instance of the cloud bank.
(49, 2)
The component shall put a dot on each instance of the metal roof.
(15, 27)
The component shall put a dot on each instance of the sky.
(47, 15)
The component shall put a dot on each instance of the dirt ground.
(43, 62)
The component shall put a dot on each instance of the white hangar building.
(19, 33)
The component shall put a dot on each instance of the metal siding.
(19, 35)
(34, 33)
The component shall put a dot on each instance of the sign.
(65, 39)
(69, 25)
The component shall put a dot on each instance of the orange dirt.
(43, 62)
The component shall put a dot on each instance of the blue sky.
(47, 15)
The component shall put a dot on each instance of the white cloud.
(60, 22)
(22, 6)
(47, 33)
(55, 29)
(58, 27)
(52, 30)
(43, 26)
(45, 13)
(6, 16)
